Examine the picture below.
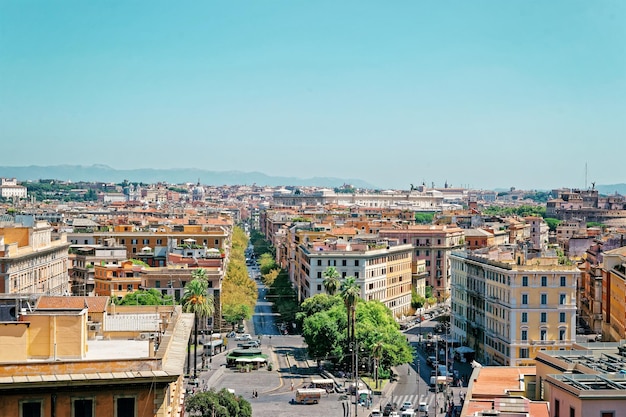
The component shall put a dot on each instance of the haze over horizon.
(485, 94)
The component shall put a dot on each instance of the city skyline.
(482, 95)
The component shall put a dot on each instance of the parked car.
(230, 334)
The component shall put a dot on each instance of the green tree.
(417, 300)
(325, 335)
(424, 217)
(331, 280)
(552, 223)
(235, 313)
(267, 263)
(217, 404)
(151, 297)
(196, 300)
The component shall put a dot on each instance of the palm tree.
(199, 273)
(350, 292)
(196, 300)
(331, 280)
(377, 353)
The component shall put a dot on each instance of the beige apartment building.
(432, 244)
(507, 307)
(382, 272)
(31, 262)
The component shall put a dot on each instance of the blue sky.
(483, 94)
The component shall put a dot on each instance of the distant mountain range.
(103, 173)
(611, 189)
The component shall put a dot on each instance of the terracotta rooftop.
(94, 304)
(498, 380)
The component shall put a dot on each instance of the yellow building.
(50, 367)
(614, 295)
(507, 307)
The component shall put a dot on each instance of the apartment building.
(135, 239)
(50, 366)
(30, 260)
(84, 257)
(383, 272)
(584, 381)
(614, 294)
(117, 280)
(507, 307)
(432, 244)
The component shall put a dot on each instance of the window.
(544, 281)
(159, 241)
(31, 408)
(563, 281)
(122, 241)
(544, 317)
(523, 353)
(561, 334)
(557, 408)
(524, 317)
(217, 242)
(572, 412)
(319, 287)
(524, 281)
(319, 274)
(343, 274)
(146, 241)
(319, 262)
(525, 299)
(157, 283)
(82, 407)
(356, 275)
(561, 317)
(524, 335)
(344, 262)
(133, 241)
(356, 262)
(125, 407)
(561, 299)
(544, 299)
(544, 334)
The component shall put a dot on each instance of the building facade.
(382, 272)
(507, 307)
(31, 261)
(432, 244)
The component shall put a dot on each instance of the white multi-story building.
(382, 272)
(9, 188)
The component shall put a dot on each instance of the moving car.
(422, 407)
(243, 336)
(406, 406)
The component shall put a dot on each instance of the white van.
(409, 412)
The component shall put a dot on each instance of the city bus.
(309, 395)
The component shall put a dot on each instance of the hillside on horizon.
(104, 173)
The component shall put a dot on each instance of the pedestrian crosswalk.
(428, 398)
